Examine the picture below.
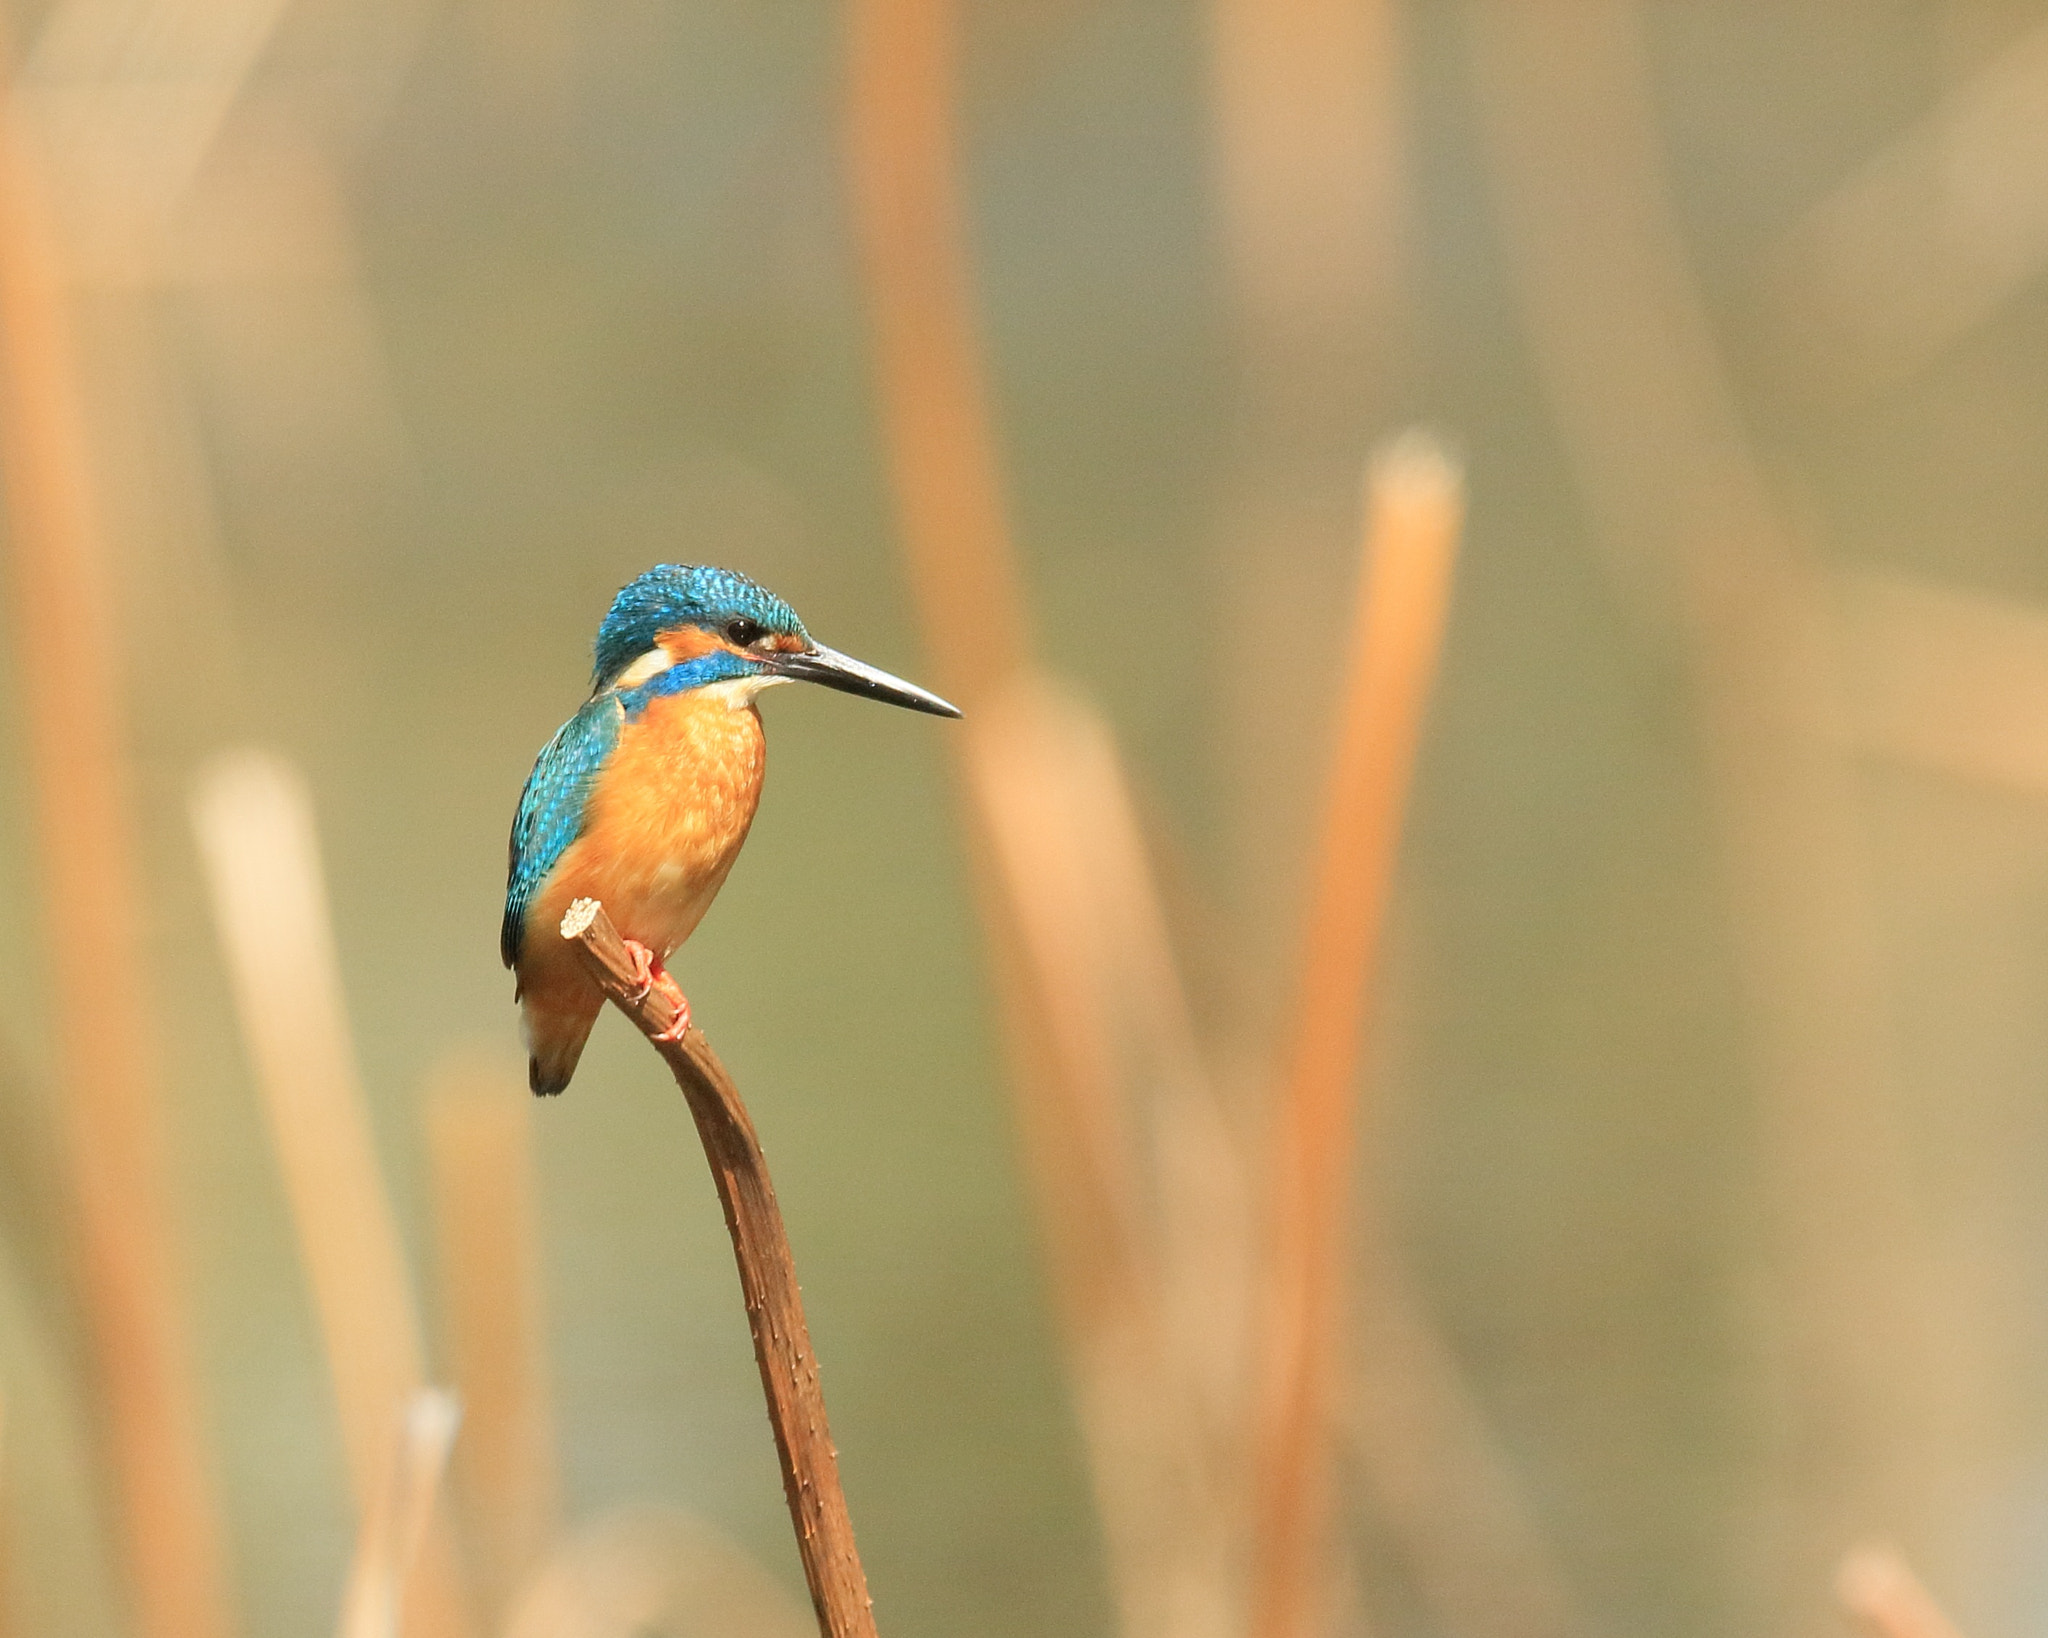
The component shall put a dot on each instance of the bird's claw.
(650, 976)
(644, 969)
(681, 1027)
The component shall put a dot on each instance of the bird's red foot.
(651, 975)
(645, 966)
(681, 1027)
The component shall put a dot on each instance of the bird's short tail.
(554, 1041)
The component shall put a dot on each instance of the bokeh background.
(355, 355)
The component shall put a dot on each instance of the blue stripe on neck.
(720, 665)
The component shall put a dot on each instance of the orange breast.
(668, 817)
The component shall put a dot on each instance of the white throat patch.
(739, 693)
(736, 692)
(651, 664)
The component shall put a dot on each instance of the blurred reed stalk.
(479, 1136)
(1052, 931)
(388, 1539)
(70, 643)
(1153, 1300)
(132, 100)
(34, 1224)
(1141, 1185)
(1942, 678)
(1310, 154)
(1696, 539)
(1309, 139)
(768, 1283)
(902, 65)
(1415, 505)
(649, 1572)
(1921, 246)
(1878, 1590)
(1309, 105)
(130, 103)
(8, 1625)
(254, 821)
(1431, 1474)
(206, 235)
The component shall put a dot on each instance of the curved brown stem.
(775, 1310)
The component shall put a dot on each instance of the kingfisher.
(643, 797)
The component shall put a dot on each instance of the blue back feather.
(551, 808)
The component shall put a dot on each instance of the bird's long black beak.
(820, 664)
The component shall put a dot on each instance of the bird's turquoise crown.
(683, 594)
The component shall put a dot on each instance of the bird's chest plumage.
(670, 812)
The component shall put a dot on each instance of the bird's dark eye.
(742, 633)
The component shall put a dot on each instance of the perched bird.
(643, 798)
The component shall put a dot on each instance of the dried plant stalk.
(902, 148)
(1047, 792)
(255, 825)
(643, 1571)
(7, 1622)
(760, 1244)
(33, 1220)
(156, 95)
(479, 1135)
(1924, 243)
(1882, 1595)
(1939, 676)
(1310, 174)
(68, 639)
(1018, 752)
(1200, 1179)
(388, 1542)
(1308, 134)
(1435, 1478)
(1414, 512)
(1651, 420)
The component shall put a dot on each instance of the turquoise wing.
(552, 807)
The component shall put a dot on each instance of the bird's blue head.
(655, 612)
(685, 626)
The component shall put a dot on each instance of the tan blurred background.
(1686, 1229)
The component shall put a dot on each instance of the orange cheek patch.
(689, 642)
(683, 643)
